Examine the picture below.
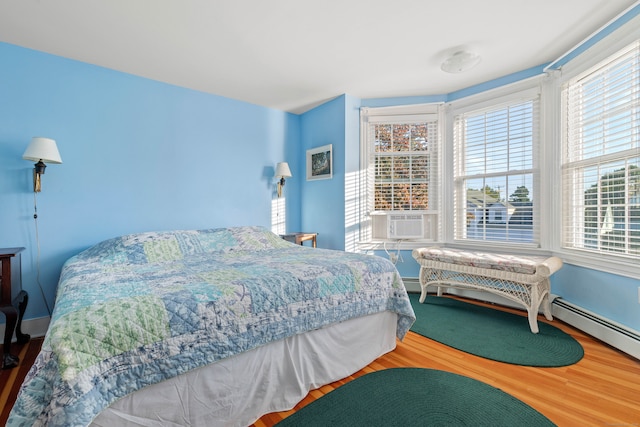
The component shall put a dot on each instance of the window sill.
(628, 266)
(403, 245)
(522, 249)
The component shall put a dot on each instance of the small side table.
(299, 238)
(8, 305)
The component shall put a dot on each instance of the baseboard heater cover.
(608, 331)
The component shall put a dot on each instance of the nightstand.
(299, 238)
(8, 302)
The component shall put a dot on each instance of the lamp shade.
(44, 149)
(282, 170)
(460, 61)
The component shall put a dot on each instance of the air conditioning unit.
(405, 226)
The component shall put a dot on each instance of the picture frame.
(320, 163)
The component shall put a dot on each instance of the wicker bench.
(522, 279)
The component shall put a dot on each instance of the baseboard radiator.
(616, 335)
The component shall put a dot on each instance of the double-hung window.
(495, 171)
(400, 147)
(601, 157)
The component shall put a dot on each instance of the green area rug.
(493, 334)
(416, 397)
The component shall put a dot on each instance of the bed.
(206, 327)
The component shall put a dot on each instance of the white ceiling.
(295, 54)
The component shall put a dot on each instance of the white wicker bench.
(522, 279)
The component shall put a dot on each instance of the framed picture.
(320, 163)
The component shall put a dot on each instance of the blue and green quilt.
(138, 309)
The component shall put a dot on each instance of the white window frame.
(529, 89)
(603, 260)
(371, 221)
(606, 47)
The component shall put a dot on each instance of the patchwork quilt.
(138, 309)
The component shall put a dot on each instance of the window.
(495, 174)
(601, 157)
(400, 148)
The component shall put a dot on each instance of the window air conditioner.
(405, 226)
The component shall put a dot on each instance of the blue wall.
(612, 296)
(322, 208)
(138, 155)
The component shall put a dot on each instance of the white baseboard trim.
(412, 284)
(34, 327)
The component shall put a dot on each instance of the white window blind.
(401, 150)
(495, 177)
(601, 157)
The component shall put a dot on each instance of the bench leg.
(423, 291)
(423, 294)
(537, 302)
(545, 303)
(438, 277)
(546, 307)
(533, 320)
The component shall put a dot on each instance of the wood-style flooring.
(603, 389)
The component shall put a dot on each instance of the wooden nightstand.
(299, 238)
(8, 303)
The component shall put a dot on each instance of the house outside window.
(400, 147)
(495, 170)
(601, 157)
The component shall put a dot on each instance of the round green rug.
(493, 334)
(416, 397)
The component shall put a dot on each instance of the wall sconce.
(282, 172)
(41, 150)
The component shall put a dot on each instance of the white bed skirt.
(239, 390)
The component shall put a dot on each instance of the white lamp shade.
(282, 170)
(460, 61)
(44, 149)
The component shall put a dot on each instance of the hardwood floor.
(10, 379)
(603, 389)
